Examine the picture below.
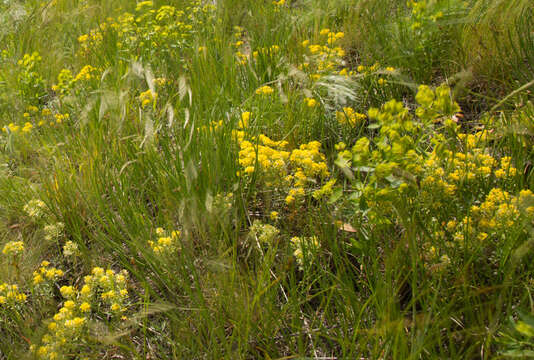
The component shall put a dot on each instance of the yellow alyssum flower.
(13, 248)
(85, 307)
(310, 102)
(264, 90)
(67, 291)
(147, 97)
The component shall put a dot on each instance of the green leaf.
(336, 195)
(344, 165)
(373, 126)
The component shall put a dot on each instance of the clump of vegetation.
(266, 179)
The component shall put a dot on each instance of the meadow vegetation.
(246, 179)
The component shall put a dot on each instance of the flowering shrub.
(104, 292)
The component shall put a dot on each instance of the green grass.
(412, 253)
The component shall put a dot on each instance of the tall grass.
(366, 283)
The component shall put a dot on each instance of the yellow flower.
(37, 279)
(83, 38)
(69, 304)
(67, 291)
(245, 117)
(85, 307)
(310, 102)
(264, 90)
(290, 199)
(13, 248)
(147, 97)
(86, 290)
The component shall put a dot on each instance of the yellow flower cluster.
(264, 90)
(10, 295)
(295, 170)
(11, 128)
(310, 102)
(326, 190)
(324, 59)
(166, 243)
(500, 214)
(38, 120)
(46, 273)
(64, 82)
(147, 97)
(13, 248)
(149, 30)
(89, 41)
(87, 73)
(350, 117)
(103, 290)
(476, 164)
(267, 155)
(29, 61)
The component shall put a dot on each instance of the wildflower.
(67, 291)
(264, 90)
(13, 248)
(245, 117)
(69, 304)
(349, 116)
(147, 97)
(86, 73)
(83, 38)
(310, 102)
(27, 127)
(85, 307)
(290, 199)
(85, 290)
(37, 279)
